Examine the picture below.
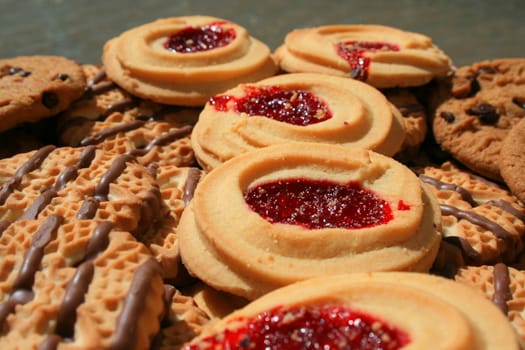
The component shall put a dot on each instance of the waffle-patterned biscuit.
(301, 107)
(482, 218)
(512, 160)
(114, 120)
(185, 60)
(378, 310)
(476, 108)
(36, 87)
(378, 55)
(298, 210)
(502, 284)
(76, 284)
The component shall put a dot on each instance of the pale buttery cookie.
(113, 120)
(36, 87)
(381, 310)
(378, 55)
(476, 108)
(480, 217)
(504, 285)
(185, 60)
(300, 107)
(284, 213)
(512, 160)
(77, 284)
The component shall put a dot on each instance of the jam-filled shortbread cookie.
(35, 87)
(378, 55)
(303, 107)
(113, 120)
(481, 217)
(185, 60)
(478, 106)
(381, 310)
(502, 284)
(512, 160)
(284, 213)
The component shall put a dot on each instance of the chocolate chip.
(49, 99)
(519, 101)
(486, 112)
(25, 74)
(63, 77)
(448, 116)
(465, 87)
(487, 70)
(14, 70)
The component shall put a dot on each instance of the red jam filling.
(196, 39)
(354, 53)
(312, 327)
(316, 204)
(295, 107)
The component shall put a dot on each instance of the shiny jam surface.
(196, 39)
(312, 327)
(316, 204)
(354, 53)
(295, 107)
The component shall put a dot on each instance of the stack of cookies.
(351, 189)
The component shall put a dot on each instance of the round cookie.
(378, 310)
(381, 56)
(185, 60)
(475, 110)
(35, 87)
(480, 217)
(512, 160)
(299, 210)
(299, 107)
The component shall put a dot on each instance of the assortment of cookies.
(195, 190)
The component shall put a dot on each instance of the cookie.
(300, 107)
(113, 120)
(512, 160)
(501, 284)
(299, 210)
(476, 108)
(36, 87)
(381, 56)
(381, 310)
(186, 60)
(481, 217)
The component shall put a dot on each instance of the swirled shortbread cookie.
(381, 310)
(78, 284)
(502, 284)
(378, 55)
(512, 160)
(35, 87)
(114, 120)
(478, 107)
(303, 107)
(185, 60)
(284, 213)
(482, 218)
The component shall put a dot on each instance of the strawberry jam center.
(316, 204)
(295, 107)
(354, 53)
(195, 39)
(312, 327)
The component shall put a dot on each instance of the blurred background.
(466, 30)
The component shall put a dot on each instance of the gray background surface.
(466, 30)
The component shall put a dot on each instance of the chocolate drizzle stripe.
(163, 140)
(100, 136)
(192, 180)
(468, 251)
(50, 342)
(38, 205)
(88, 208)
(440, 185)
(506, 206)
(23, 285)
(502, 292)
(150, 210)
(114, 171)
(33, 163)
(127, 322)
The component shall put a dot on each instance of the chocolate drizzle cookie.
(36, 87)
(475, 109)
(481, 217)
